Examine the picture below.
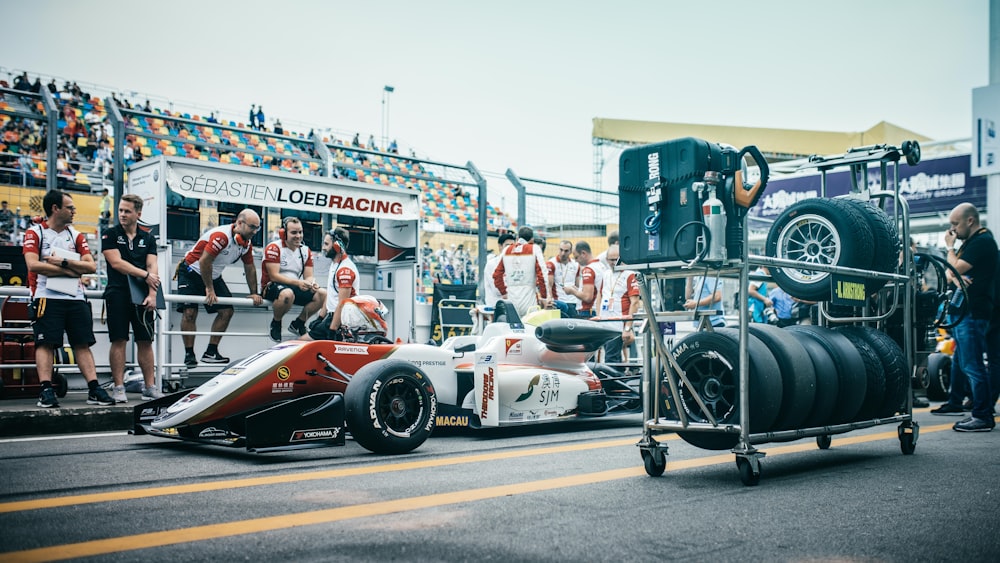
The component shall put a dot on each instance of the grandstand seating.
(162, 132)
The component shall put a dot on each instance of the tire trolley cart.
(683, 212)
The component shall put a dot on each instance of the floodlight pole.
(386, 90)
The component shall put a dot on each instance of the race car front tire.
(391, 407)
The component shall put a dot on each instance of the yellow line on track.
(74, 500)
(296, 520)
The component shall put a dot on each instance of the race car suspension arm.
(344, 378)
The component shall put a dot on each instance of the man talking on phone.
(976, 262)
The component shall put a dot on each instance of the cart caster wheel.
(747, 475)
(60, 384)
(655, 463)
(823, 442)
(907, 443)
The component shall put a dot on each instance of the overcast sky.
(516, 84)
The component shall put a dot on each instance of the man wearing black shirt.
(130, 251)
(976, 261)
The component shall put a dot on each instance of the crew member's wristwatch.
(65, 263)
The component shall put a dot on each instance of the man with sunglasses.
(200, 273)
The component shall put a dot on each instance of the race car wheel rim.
(715, 382)
(400, 405)
(810, 239)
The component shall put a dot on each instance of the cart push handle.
(746, 195)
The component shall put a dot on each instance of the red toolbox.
(17, 346)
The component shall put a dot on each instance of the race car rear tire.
(893, 365)
(797, 375)
(818, 231)
(874, 374)
(885, 241)
(938, 376)
(710, 361)
(391, 407)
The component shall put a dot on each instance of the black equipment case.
(660, 216)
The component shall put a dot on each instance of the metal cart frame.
(658, 359)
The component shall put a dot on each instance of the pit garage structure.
(383, 223)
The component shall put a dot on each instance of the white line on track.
(63, 437)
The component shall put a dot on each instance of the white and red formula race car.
(390, 396)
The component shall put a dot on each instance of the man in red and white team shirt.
(591, 272)
(56, 257)
(619, 297)
(343, 282)
(563, 271)
(287, 278)
(521, 275)
(200, 273)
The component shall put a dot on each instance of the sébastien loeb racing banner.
(251, 186)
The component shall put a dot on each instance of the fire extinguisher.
(714, 216)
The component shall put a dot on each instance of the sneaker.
(190, 360)
(974, 425)
(275, 333)
(297, 327)
(215, 358)
(150, 393)
(48, 399)
(99, 396)
(948, 410)
(118, 394)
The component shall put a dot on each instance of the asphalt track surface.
(560, 492)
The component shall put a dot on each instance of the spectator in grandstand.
(260, 118)
(704, 293)
(128, 153)
(521, 276)
(147, 107)
(356, 142)
(603, 257)
(22, 82)
(393, 147)
(36, 87)
(619, 297)
(563, 271)
(53, 89)
(7, 219)
(490, 292)
(443, 255)
(200, 273)
(253, 116)
(92, 117)
(371, 143)
(343, 282)
(57, 256)
(591, 271)
(103, 158)
(211, 118)
(131, 256)
(287, 279)
(278, 129)
(105, 209)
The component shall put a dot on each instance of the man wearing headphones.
(287, 278)
(342, 283)
(200, 273)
